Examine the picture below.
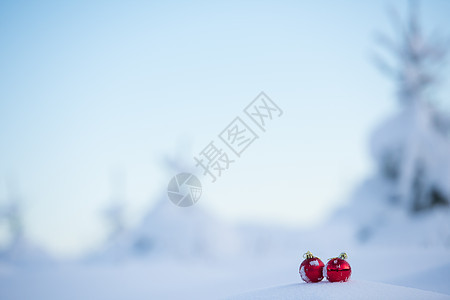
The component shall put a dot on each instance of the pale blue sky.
(91, 88)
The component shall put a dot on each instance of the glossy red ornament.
(311, 269)
(338, 269)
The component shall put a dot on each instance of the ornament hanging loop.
(343, 255)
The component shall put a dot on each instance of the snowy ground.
(361, 290)
(424, 269)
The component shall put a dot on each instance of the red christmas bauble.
(311, 269)
(338, 269)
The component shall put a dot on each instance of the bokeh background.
(101, 102)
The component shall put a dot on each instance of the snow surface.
(314, 263)
(208, 278)
(358, 290)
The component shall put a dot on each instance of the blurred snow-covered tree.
(19, 249)
(412, 149)
(12, 215)
(115, 212)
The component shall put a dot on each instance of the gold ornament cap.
(343, 255)
(308, 255)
